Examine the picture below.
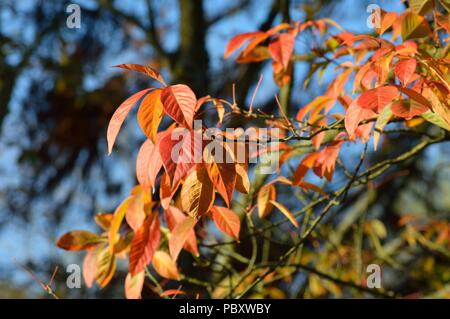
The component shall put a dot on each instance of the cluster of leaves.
(378, 81)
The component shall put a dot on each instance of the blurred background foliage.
(58, 92)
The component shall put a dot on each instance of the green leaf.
(421, 6)
(382, 121)
(436, 119)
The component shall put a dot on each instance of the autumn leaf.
(174, 216)
(90, 266)
(119, 214)
(281, 48)
(355, 115)
(197, 193)
(376, 99)
(148, 165)
(265, 195)
(242, 181)
(119, 116)
(172, 292)
(179, 103)
(408, 109)
(226, 220)
(179, 235)
(285, 212)
(221, 171)
(150, 114)
(414, 26)
(134, 285)
(135, 213)
(165, 266)
(79, 240)
(106, 266)
(166, 191)
(237, 41)
(179, 152)
(305, 165)
(149, 71)
(144, 244)
(103, 220)
(405, 69)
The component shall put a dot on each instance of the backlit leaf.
(404, 70)
(143, 69)
(179, 235)
(144, 244)
(414, 26)
(134, 285)
(148, 165)
(119, 116)
(226, 220)
(197, 193)
(179, 103)
(285, 212)
(174, 216)
(79, 240)
(281, 48)
(150, 114)
(165, 266)
(106, 266)
(265, 195)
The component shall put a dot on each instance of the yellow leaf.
(165, 266)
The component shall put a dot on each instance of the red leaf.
(148, 165)
(179, 103)
(179, 151)
(376, 99)
(354, 115)
(226, 220)
(119, 116)
(174, 216)
(281, 48)
(179, 236)
(404, 70)
(143, 69)
(144, 244)
(416, 96)
(408, 109)
(237, 41)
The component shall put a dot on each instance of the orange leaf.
(354, 115)
(179, 103)
(237, 41)
(179, 151)
(165, 266)
(172, 292)
(221, 171)
(119, 214)
(174, 216)
(90, 266)
(197, 193)
(408, 109)
(285, 212)
(180, 235)
(150, 114)
(148, 165)
(135, 214)
(305, 165)
(79, 240)
(119, 116)
(143, 69)
(103, 220)
(144, 244)
(242, 181)
(376, 99)
(265, 195)
(226, 220)
(404, 70)
(134, 285)
(281, 49)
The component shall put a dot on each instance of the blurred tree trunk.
(192, 61)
